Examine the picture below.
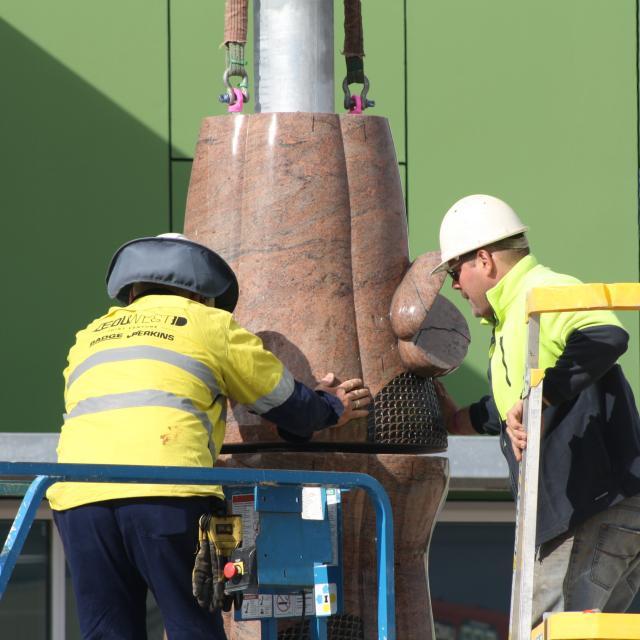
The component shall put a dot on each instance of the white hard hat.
(474, 222)
(173, 236)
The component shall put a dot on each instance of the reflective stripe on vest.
(119, 354)
(275, 398)
(138, 399)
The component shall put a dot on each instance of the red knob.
(230, 570)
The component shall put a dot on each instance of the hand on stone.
(353, 394)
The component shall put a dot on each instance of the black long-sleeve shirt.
(590, 450)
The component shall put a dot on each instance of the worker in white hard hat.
(588, 522)
(147, 383)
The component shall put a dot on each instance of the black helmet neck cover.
(173, 262)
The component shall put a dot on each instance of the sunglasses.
(454, 270)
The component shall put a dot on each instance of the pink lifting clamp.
(236, 107)
(356, 104)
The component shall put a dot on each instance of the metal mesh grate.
(341, 627)
(407, 412)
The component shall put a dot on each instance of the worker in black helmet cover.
(147, 384)
(588, 519)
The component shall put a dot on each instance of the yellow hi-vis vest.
(148, 384)
(508, 348)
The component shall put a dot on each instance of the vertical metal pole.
(293, 55)
(520, 621)
(269, 629)
(318, 628)
(386, 580)
(20, 528)
(58, 586)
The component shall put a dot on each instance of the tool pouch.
(218, 536)
(217, 577)
(207, 577)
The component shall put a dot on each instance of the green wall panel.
(534, 102)
(85, 167)
(197, 65)
(180, 172)
(117, 47)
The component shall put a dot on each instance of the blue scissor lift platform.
(292, 518)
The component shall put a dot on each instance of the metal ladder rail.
(582, 297)
(47, 474)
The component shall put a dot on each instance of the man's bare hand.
(516, 430)
(353, 394)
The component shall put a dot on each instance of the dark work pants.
(594, 565)
(117, 549)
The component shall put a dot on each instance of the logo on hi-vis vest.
(109, 336)
(142, 319)
(151, 334)
(142, 333)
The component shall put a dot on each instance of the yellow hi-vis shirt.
(508, 348)
(148, 384)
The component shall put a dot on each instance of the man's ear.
(487, 261)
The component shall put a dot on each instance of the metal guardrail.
(46, 474)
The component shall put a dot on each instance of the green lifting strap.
(235, 59)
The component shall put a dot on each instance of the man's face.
(469, 277)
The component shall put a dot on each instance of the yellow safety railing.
(584, 297)
(622, 296)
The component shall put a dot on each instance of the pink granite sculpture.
(308, 209)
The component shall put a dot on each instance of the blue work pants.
(118, 549)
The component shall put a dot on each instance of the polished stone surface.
(415, 294)
(308, 210)
(433, 336)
